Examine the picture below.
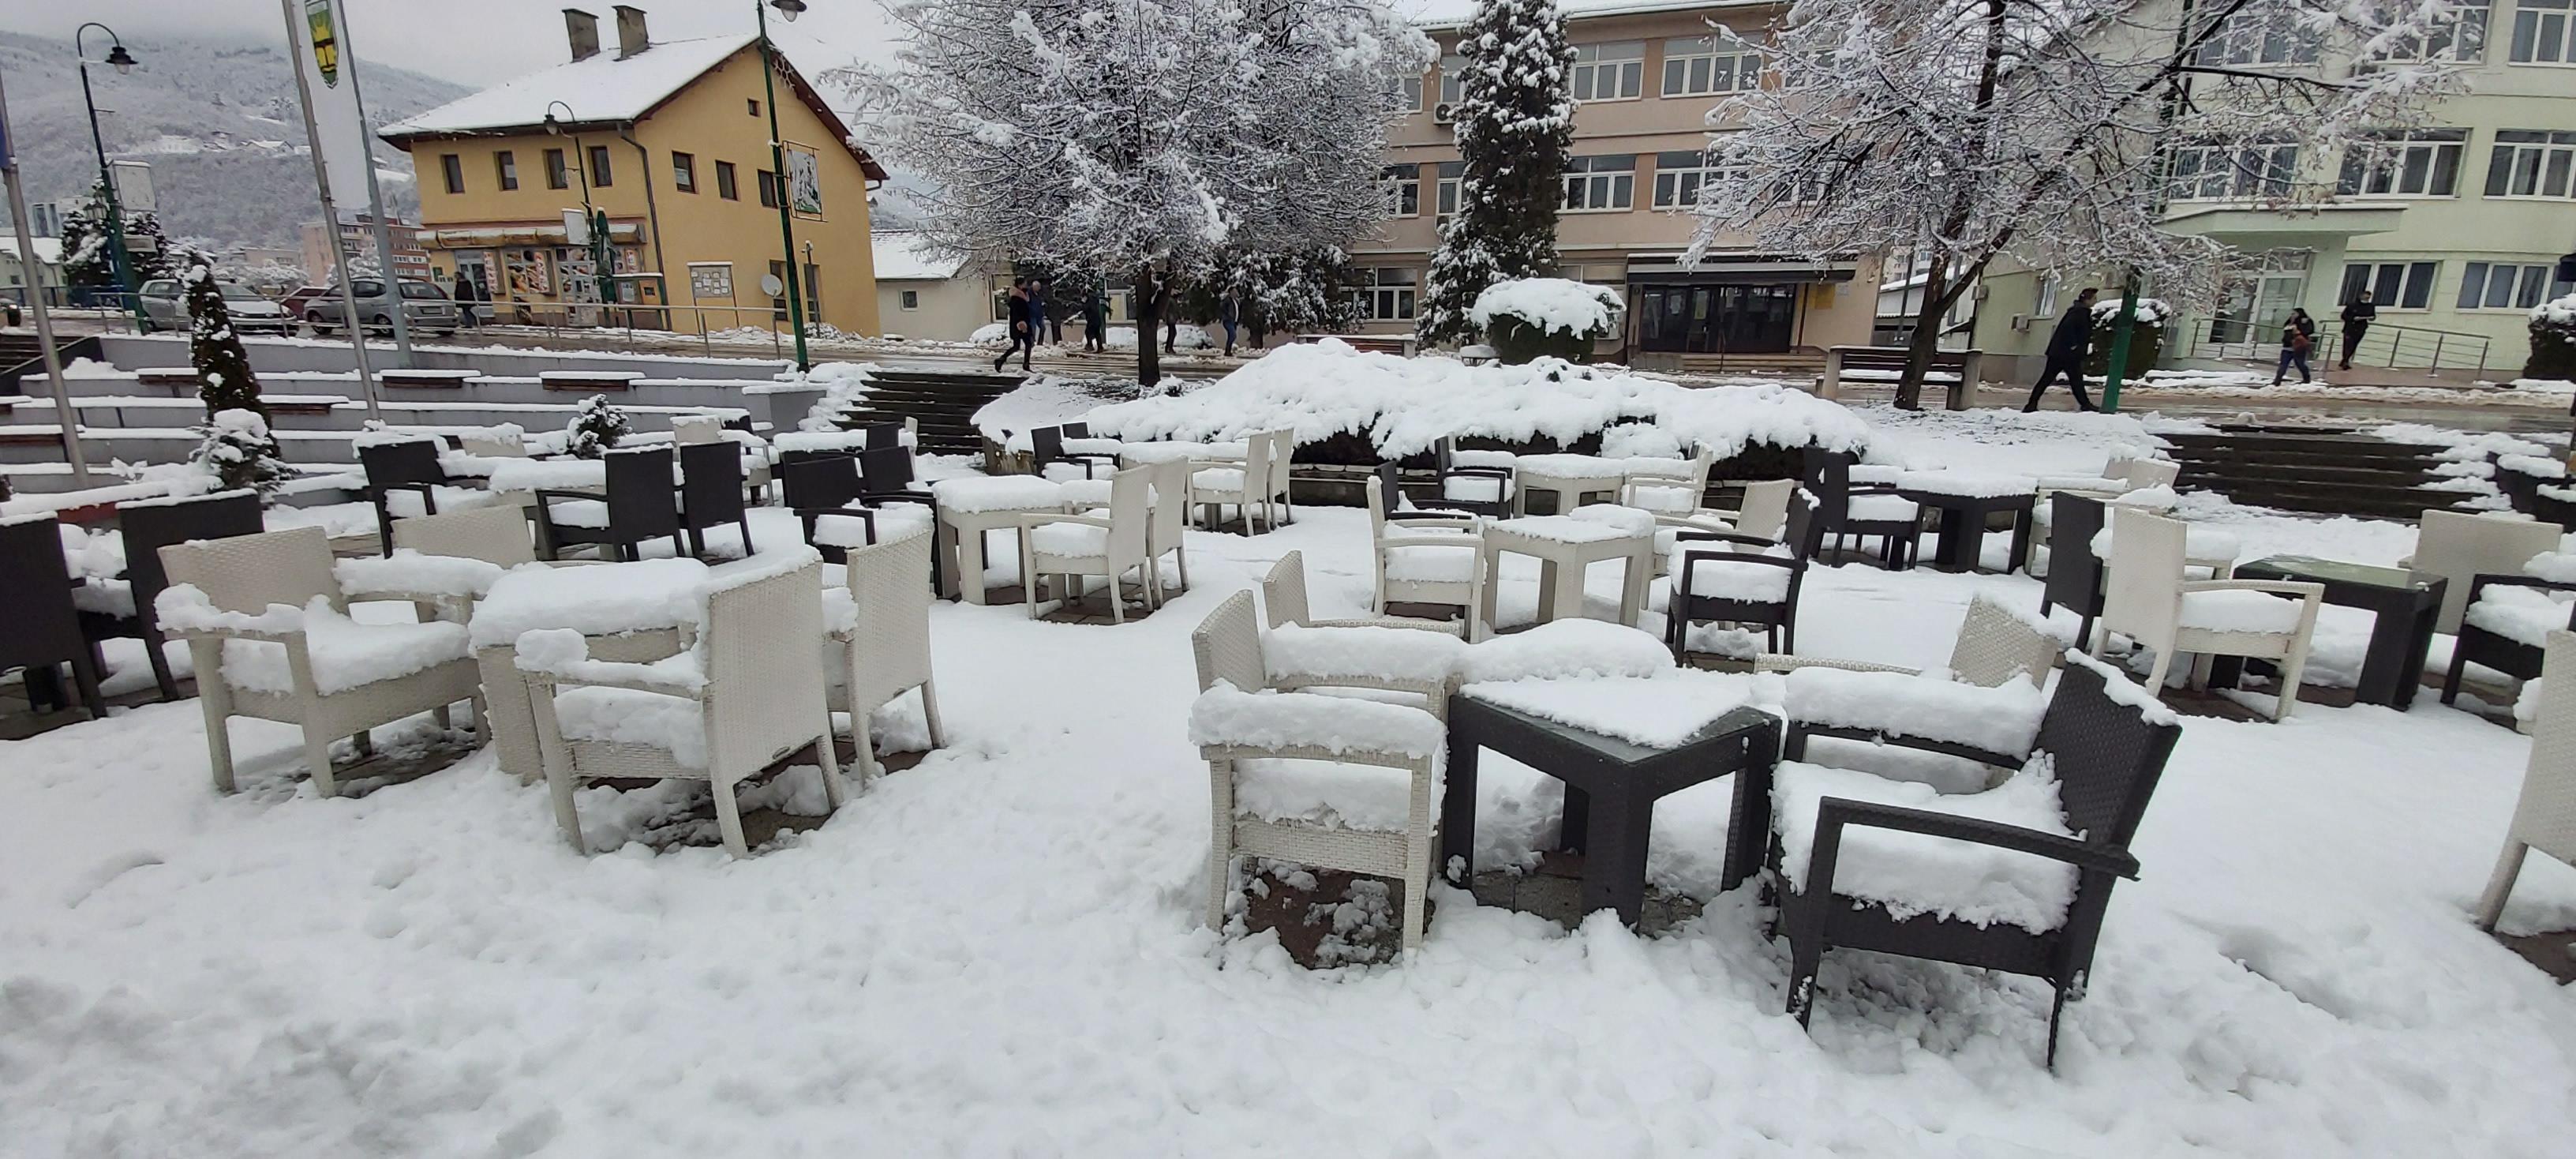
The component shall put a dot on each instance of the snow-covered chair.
(122, 606)
(889, 638)
(2015, 878)
(1761, 513)
(1333, 782)
(495, 535)
(1283, 452)
(1724, 577)
(1283, 602)
(2142, 473)
(2147, 598)
(1077, 545)
(1478, 482)
(1667, 486)
(1069, 452)
(2544, 817)
(1425, 557)
(1984, 707)
(747, 695)
(44, 627)
(404, 478)
(641, 504)
(267, 623)
(2506, 626)
(1849, 510)
(2459, 547)
(1168, 524)
(1241, 486)
(1763, 509)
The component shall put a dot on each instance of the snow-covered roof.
(49, 250)
(905, 256)
(1456, 13)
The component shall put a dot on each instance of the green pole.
(778, 166)
(2177, 90)
(2121, 329)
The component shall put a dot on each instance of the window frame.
(1407, 93)
(768, 182)
(601, 172)
(1402, 185)
(2410, 276)
(2391, 158)
(907, 299)
(451, 172)
(1616, 183)
(2278, 176)
(728, 186)
(2526, 285)
(1453, 78)
(2462, 41)
(2524, 40)
(558, 170)
(1380, 299)
(684, 171)
(2553, 162)
(1628, 72)
(2245, 44)
(1716, 46)
(505, 169)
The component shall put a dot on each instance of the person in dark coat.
(2066, 348)
(1095, 322)
(1232, 315)
(2298, 337)
(2357, 316)
(1038, 311)
(465, 298)
(1017, 313)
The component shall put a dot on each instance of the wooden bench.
(426, 379)
(1400, 345)
(588, 381)
(1955, 369)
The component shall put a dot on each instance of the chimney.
(582, 29)
(631, 37)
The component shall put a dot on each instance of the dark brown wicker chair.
(2107, 754)
(147, 527)
(1046, 446)
(2074, 572)
(2493, 649)
(1778, 619)
(396, 467)
(42, 628)
(711, 492)
(1827, 476)
(641, 505)
(1479, 490)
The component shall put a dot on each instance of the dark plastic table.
(1611, 787)
(2401, 630)
(1963, 527)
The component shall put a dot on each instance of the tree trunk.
(1149, 315)
(1927, 333)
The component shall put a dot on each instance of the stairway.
(2331, 472)
(22, 357)
(943, 403)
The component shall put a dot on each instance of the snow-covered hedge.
(2553, 340)
(1404, 405)
(1550, 305)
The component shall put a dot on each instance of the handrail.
(2383, 344)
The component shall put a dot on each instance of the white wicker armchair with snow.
(1075, 546)
(1984, 707)
(1283, 602)
(1333, 782)
(748, 694)
(2147, 598)
(267, 622)
(889, 637)
(2544, 817)
(1426, 558)
(1241, 486)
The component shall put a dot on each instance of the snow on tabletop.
(2002, 719)
(894, 521)
(2533, 465)
(1572, 466)
(593, 599)
(1292, 651)
(2081, 483)
(384, 437)
(1228, 716)
(1629, 520)
(1148, 454)
(537, 474)
(1659, 711)
(1560, 649)
(410, 571)
(1972, 484)
(345, 654)
(1404, 405)
(2554, 566)
(1917, 873)
(972, 493)
(632, 716)
(1550, 305)
(1227, 479)
(1568, 529)
(2522, 614)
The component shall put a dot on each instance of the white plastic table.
(972, 505)
(1568, 477)
(1573, 543)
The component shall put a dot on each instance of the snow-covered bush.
(2146, 339)
(1530, 318)
(991, 334)
(596, 427)
(238, 450)
(2553, 340)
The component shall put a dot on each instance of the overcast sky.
(475, 42)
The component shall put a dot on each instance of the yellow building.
(671, 141)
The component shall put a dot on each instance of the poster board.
(804, 181)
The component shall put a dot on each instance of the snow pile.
(1659, 711)
(2554, 566)
(1549, 305)
(1916, 873)
(2003, 719)
(2535, 466)
(1404, 405)
(1046, 401)
(594, 600)
(2553, 386)
(845, 384)
(2240, 610)
(1299, 653)
(1560, 649)
(1632, 441)
(409, 572)
(2559, 312)
(1572, 466)
(2149, 312)
(1230, 717)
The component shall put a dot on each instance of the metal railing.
(2383, 344)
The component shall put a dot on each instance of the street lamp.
(788, 10)
(117, 259)
(602, 259)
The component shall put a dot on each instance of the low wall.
(133, 351)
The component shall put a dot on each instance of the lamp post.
(123, 61)
(603, 260)
(788, 10)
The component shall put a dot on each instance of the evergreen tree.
(87, 260)
(224, 378)
(1515, 121)
(238, 450)
(596, 426)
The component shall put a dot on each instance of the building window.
(754, 105)
(1680, 176)
(911, 299)
(778, 302)
(2461, 38)
(1453, 79)
(2503, 286)
(1609, 72)
(2392, 285)
(557, 176)
(2273, 35)
(2422, 163)
(768, 189)
(684, 172)
(1406, 92)
(599, 176)
(1714, 65)
(813, 293)
(452, 168)
(2213, 172)
(2541, 31)
(1384, 295)
(505, 169)
(725, 186)
(1600, 184)
(1453, 175)
(2531, 163)
(1403, 185)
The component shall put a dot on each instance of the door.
(1718, 319)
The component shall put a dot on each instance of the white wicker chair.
(1168, 523)
(495, 443)
(1073, 546)
(2459, 547)
(2544, 818)
(751, 696)
(1214, 486)
(1425, 559)
(1227, 647)
(244, 576)
(1668, 487)
(1283, 448)
(2147, 598)
(491, 534)
(1283, 602)
(889, 649)
(2141, 474)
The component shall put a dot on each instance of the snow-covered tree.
(238, 450)
(87, 261)
(1140, 136)
(1515, 121)
(2050, 131)
(224, 378)
(596, 426)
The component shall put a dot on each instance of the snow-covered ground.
(998, 952)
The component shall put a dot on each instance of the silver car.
(165, 307)
(425, 306)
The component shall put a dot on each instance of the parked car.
(425, 306)
(295, 300)
(165, 307)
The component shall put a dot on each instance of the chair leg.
(219, 743)
(863, 739)
(559, 786)
(156, 650)
(1028, 577)
(1117, 599)
(2156, 677)
(831, 760)
(930, 714)
(1803, 956)
(85, 678)
(744, 521)
(2508, 867)
(729, 819)
(697, 545)
(441, 716)
(317, 757)
(2451, 680)
(2056, 1011)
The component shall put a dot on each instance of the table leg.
(1547, 581)
(1573, 826)
(2392, 639)
(2019, 560)
(1614, 868)
(1954, 525)
(970, 564)
(2412, 675)
(1748, 826)
(1570, 576)
(1632, 588)
(1458, 812)
(946, 546)
(1493, 580)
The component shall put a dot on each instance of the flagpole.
(375, 196)
(63, 411)
(297, 41)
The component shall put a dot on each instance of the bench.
(1955, 369)
(1400, 345)
(426, 379)
(588, 380)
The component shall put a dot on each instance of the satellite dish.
(770, 285)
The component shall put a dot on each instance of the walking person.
(2357, 316)
(1232, 316)
(1095, 322)
(465, 298)
(2298, 337)
(1016, 313)
(2066, 348)
(1037, 311)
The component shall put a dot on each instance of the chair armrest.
(1440, 520)
(1040, 519)
(610, 674)
(1838, 813)
(899, 497)
(1704, 535)
(545, 493)
(1780, 663)
(813, 515)
(216, 633)
(423, 488)
(2311, 592)
(1434, 540)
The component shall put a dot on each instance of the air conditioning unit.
(2021, 322)
(1443, 113)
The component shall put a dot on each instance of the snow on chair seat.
(1393, 659)
(1227, 717)
(632, 716)
(1879, 508)
(2524, 615)
(1070, 539)
(1917, 873)
(1433, 563)
(1924, 711)
(1283, 602)
(2239, 611)
(407, 504)
(1217, 479)
(894, 521)
(1733, 580)
(344, 654)
(1476, 488)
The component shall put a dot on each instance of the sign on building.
(804, 182)
(711, 280)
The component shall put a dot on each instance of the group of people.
(2073, 338)
(1025, 313)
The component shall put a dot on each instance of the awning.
(531, 233)
(1744, 269)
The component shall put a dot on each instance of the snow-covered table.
(1965, 499)
(1566, 546)
(2405, 613)
(1567, 477)
(971, 506)
(635, 612)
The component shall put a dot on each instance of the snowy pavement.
(998, 952)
